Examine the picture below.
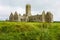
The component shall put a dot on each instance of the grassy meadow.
(29, 31)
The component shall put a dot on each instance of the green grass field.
(29, 31)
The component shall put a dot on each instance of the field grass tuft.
(29, 31)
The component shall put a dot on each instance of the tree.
(48, 17)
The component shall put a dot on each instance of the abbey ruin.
(28, 17)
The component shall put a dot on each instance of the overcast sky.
(8, 6)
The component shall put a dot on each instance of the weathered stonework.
(28, 17)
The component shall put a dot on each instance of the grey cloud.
(5, 2)
(37, 5)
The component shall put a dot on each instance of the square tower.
(28, 10)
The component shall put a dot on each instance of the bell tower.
(28, 10)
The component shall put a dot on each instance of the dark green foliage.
(48, 17)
